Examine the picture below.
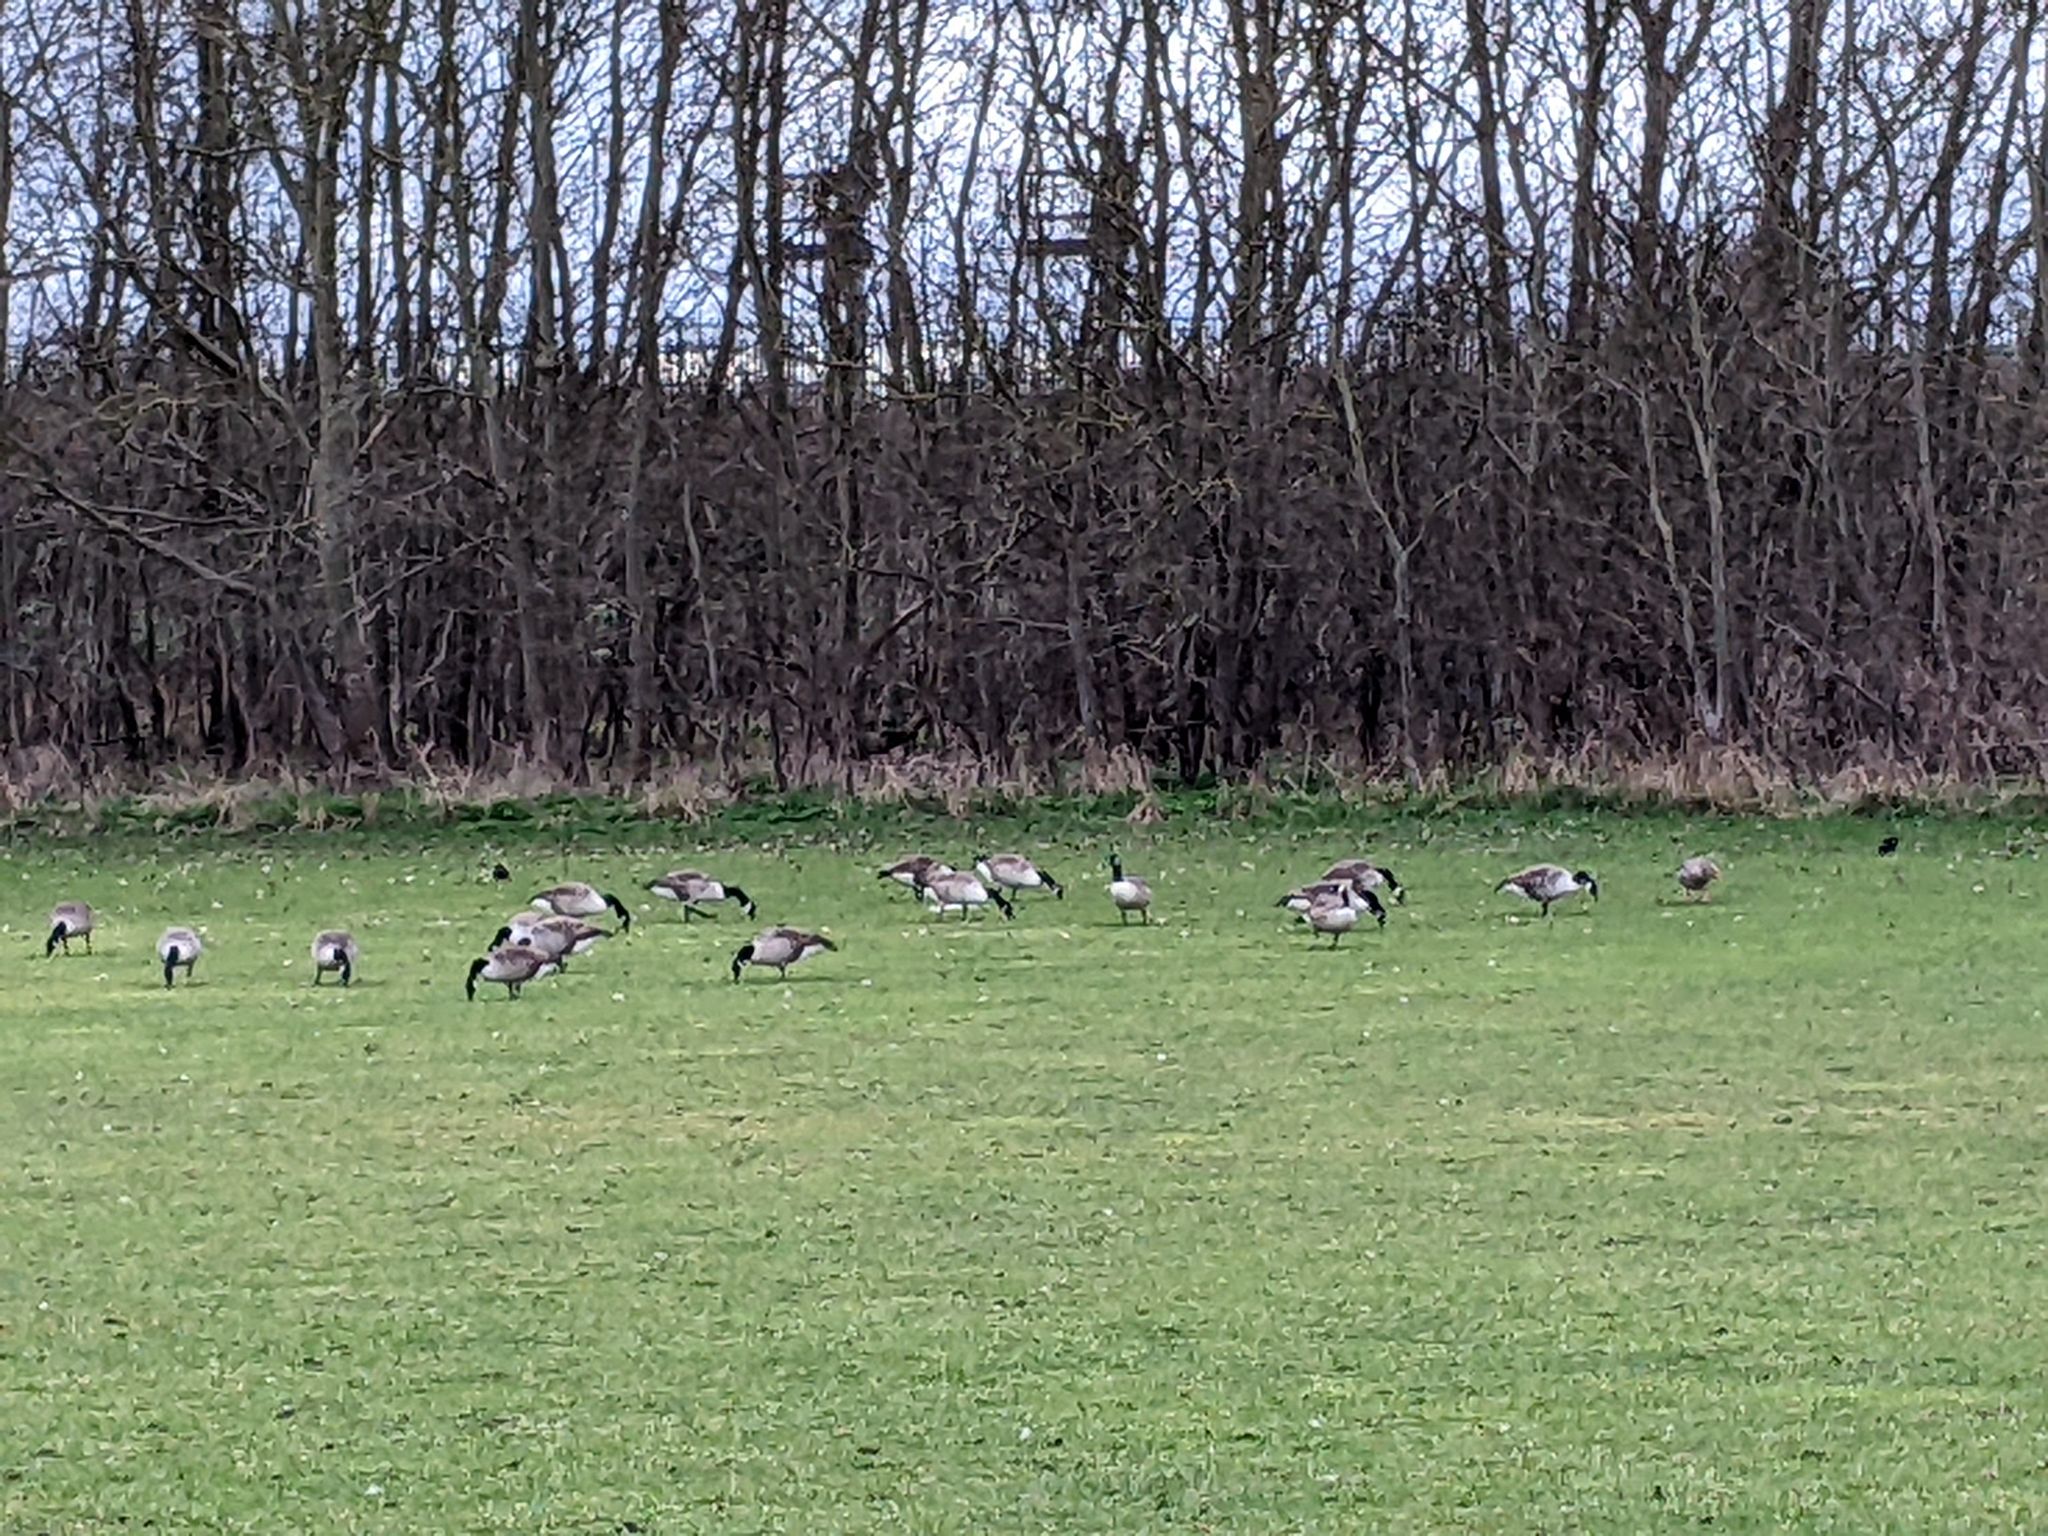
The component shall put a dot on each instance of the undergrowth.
(1118, 785)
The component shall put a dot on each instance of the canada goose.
(1888, 847)
(1335, 916)
(1373, 875)
(690, 887)
(1014, 872)
(178, 946)
(556, 938)
(69, 920)
(781, 948)
(1128, 892)
(1696, 874)
(962, 893)
(1350, 893)
(335, 950)
(579, 900)
(514, 965)
(1549, 884)
(915, 870)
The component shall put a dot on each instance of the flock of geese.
(539, 941)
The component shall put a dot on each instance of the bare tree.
(595, 383)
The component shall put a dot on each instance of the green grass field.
(1651, 1217)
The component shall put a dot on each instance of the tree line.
(602, 384)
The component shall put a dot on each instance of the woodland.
(1409, 386)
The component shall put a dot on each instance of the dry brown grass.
(39, 780)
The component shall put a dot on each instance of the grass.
(1652, 1217)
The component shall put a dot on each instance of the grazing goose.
(1336, 917)
(1549, 884)
(69, 920)
(178, 946)
(1014, 872)
(1349, 893)
(915, 870)
(781, 948)
(557, 938)
(1128, 892)
(956, 892)
(335, 950)
(579, 900)
(514, 965)
(1696, 874)
(690, 887)
(1374, 876)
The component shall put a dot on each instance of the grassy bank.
(1649, 1215)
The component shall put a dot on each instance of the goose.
(556, 938)
(781, 948)
(514, 965)
(579, 900)
(1350, 893)
(1014, 872)
(1374, 876)
(178, 946)
(1696, 874)
(690, 887)
(69, 920)
(962, 893)
(1549, 884)
(335, 950)
(1128, 892)
(915, 870)
(1334, 916)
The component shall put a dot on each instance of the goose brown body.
(1373, 877)
(69, 920)
(693, 888)
(1128, 893)
(178, 948)
(511, 965)
(1548, 884)
(960, 892)
(1350, 893)
(915, 870)
(1696, 874)
(335, 950)
(781, 948)
(1014, 872)
(1334, 916)
(555, 938)
(576, 899)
